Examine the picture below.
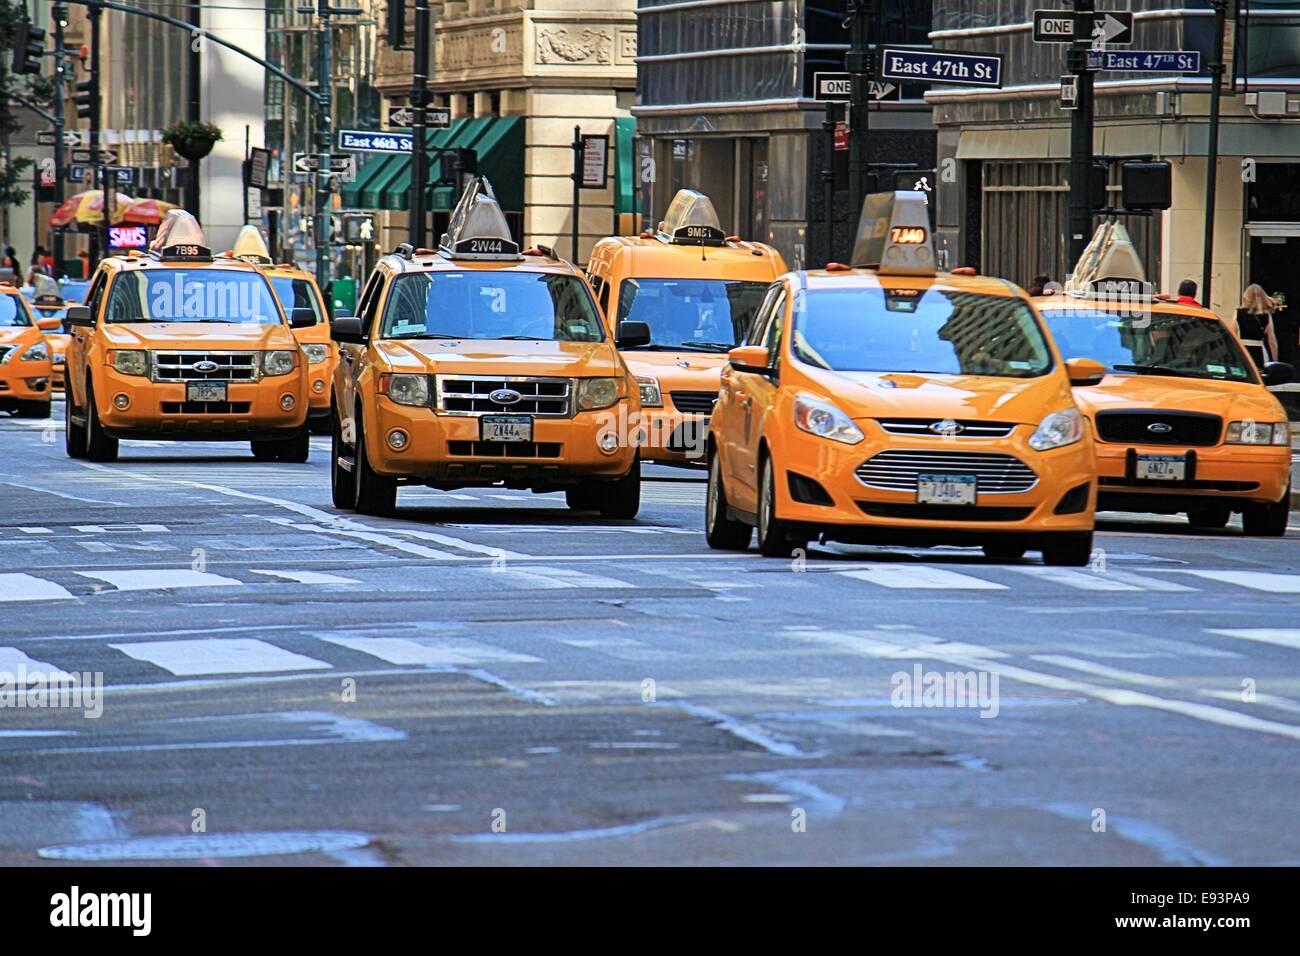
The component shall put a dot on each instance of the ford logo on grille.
(947, 427)
(205, 366)
(1160, 428)
(505, 396)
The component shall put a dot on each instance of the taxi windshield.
(491, 305)
(1150, 343)
(12, 312)
(707, 315)
(192, 295)
(296, 294)
(933, 331)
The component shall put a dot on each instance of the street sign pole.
(858, 62)
(419, 103)
(56, 235)
(1217, 67)
(828, 178)
(194, 103)
(324, 109)
(1081, 121)
(108, 191)
(577, 186)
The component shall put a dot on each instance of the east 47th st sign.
(947, 67)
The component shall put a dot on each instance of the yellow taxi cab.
(51, 309)
(886, 403)
(25, 369)
(697, 289)
(478, 365)
(177, 345)
(1183, 419)
(301, 299)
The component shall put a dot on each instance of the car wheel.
(296, 450)
(622, 498)
(99, 446)
(720, 531)
(775, 539)
(265, 450)
(1268, 521)
(582, 497)
(1068, 550)
(1004, 551)
(376, 494)
(1210, 517)
(343, 483)
(74, 436)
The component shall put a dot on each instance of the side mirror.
(1278, 373)
(750, 358)
(347, 330)
(49, 324)
(80, 315)
(302, 318)
(1083, 371)
(632, 334)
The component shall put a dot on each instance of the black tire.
(321, 426)
(265, 450)
(1267, 521)
(775, 539)
(582, 497)
(343, 483)
(376, 494)
(1004, 551)
(99, 446)
(74, 436)
(1069, 550)
(296, 450)
(33, 409)
(721, 532)
(1209, 517)
(622, 498)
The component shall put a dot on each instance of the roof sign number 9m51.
(957, 69)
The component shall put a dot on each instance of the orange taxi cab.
(25, 370)
(888, 403)
(478, 365)
(177, 345)
(1184, 421)
(301, 299)
(51, 309)
(697, 289)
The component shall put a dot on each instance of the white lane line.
(877, 647)
(921, 576)
(535, 578)
(1256, 580)
(420, 651)
(449, 541)
(63, 494)
(12, 659)
(36, 531)
(372, 536)
(1080, 580)
(307, 577)
(164, 579)
(1280, 636)
(1101, 670)
(219, 656)
(1264, 700)
(25, 587)
(117, 528)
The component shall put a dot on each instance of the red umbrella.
(148, 212)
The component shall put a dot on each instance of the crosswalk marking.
(26, 587)
(921, 576)
(117, 528)
(1081, 580)
(307, 577)
(429, 650)
(162, 579)
(546, 578)
(1101, 670)
(12, 659)
(1256, 580)
(218, 656)
(1282, 637)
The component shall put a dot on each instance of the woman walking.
(1254, 325)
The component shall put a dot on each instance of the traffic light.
(397, 24)
(29, 48)
(85, 99)
(456, 163)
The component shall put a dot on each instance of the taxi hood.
(502, 357)
(1232, 400)
(194, 335)
(9, 335)
(686, 370)
(919, 395)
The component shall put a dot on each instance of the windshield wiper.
(709, 346)
(522, 338)
(422, 335)
(1159, 370)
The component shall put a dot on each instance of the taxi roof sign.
(692, 220)
(478, 228)
(1108, 259)
(180, 238)
(894, 235)
(251, 247)
(46, 291)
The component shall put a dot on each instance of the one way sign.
(1057, 26)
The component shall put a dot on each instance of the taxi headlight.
(406, 389)
(596, 393)
(825, 420)
(277, 362)
(1057, 430)
(317, 352)
(651, 396)
(37, 353)
(1259, 433)
(131, 361)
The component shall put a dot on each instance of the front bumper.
(252, 409)
(1221, 474)
(25, 381)
(674, 437)
(319, 377)
(444, 450)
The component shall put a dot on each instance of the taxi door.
(352, 356)
(75, 361)
(752, 396)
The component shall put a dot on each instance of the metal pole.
(420, 146)
(1081, 131)
(1217, 68)
(60, 13)
(324, 89)
(99, 246)
(577, 186)
(828, 180)
(860, 68)
(194, 101)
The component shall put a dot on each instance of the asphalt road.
(490, 679)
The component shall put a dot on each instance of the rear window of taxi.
(13, 312)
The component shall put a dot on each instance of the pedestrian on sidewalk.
(1253, 324)
(1187, 293)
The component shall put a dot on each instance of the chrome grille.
(468, 395)
(179, 366)
(694, 403)
(899, 469)
(924, 428)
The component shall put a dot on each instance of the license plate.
(505, 428)
(946, 489)
(1162, 467)
(205, 391)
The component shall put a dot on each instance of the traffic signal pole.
(420, 103)
(99, 245)
(1081, 127)
(1217, 70)
(60, 14)
(194, 102)
(324, 126)
(860, 69)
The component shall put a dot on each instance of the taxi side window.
(775, 328)
(366, 308)
(758, 331)
(95, 294)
